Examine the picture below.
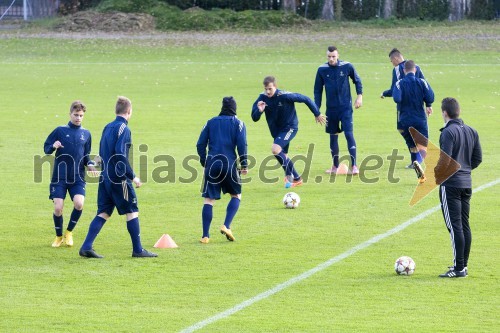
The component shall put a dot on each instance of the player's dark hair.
(77, 106)
(394, 53)
(123, 105)
(332, 48)
(410, 65)
(451, 106)
(268, 80)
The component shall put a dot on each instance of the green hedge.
(172, 18)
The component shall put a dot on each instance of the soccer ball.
(291, 200)
(404, 266)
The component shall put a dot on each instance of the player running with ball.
(281, 116)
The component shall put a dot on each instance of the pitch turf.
(176, 82)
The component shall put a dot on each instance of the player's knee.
(131, 216)
(276, 149)
(208, 201)
(58, 211)
(78, 201)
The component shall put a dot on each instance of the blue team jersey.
(223, 135)
(411, 93)
(116, 141)
(280, 111)
(398, 73)
(335, 79)
(71, 159)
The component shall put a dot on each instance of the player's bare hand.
(137, 182)
(358, 102)
(428, 110)
(98, 160)
(93, 171)
(57, 144)
(321, 119)
(261, 105)
(244, 171)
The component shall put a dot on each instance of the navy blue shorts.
(283, 139)
(404, 129)
(120, 195)
(337, 122)
(219, 177)
(58, 190)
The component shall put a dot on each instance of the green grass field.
(176, 83)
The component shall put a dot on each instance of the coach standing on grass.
(461, 143)
(115, 183)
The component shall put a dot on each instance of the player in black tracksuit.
(461, 143)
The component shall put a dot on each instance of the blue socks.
(206, 218)
(73, 220)
(416, 157)
(135, 234)
(287, 165)
(97, 224)
(232, 208)
(423, 154)
(351, 145)
(207, 215)
(334, 149)
(94, 228)
(58, 224)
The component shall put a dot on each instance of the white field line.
(321, 267)
(140, 63)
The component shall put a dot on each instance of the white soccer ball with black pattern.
(404, 266)
(291, 200)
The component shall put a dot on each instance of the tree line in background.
(350, 10)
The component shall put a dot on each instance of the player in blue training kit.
(281, 117)
(115, 183)
(334, 77)
(460, 143)
(72, 144)
(398, 73)
(410, 94)
(222, 135)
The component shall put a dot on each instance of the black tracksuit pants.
(455, 204)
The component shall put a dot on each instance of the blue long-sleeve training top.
(280, 111)
(71, 159)
(398, 73)
(114, 149)
(411, 93)
(335, 80)
(223, 135)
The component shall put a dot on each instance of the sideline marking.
(181, 62)
(320, 267)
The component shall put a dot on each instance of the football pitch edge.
(322, 266)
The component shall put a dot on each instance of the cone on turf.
(342, 169)
(165, 242)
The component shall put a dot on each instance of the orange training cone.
(165, 242)
(342, 169)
